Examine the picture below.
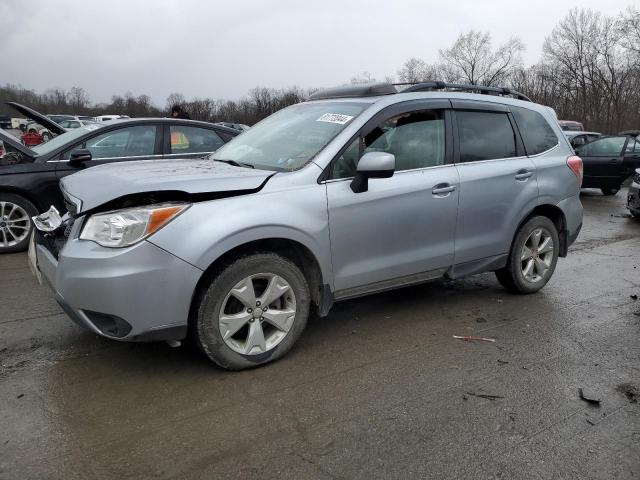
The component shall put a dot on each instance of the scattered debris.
(590, 422)
(353, 332)
(485, 396)
(465, 398)
(630, 391)
(469, 338)
(634, 297)
(499, 300)
(621, 215)
(20, 396)
(589, 396)
(481, 320)
(502, 362)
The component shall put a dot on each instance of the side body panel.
(285, 208)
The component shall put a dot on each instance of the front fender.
(208, 230)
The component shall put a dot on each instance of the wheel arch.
(22, 193)
(556, 215)
(293, 250)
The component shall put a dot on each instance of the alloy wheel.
(537, 255)
(257, 314)
(14, 224)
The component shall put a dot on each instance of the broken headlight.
(121, 228)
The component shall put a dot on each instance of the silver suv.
(358, 190)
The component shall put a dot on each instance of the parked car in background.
(29, 177)
(71, 124)
(609, 161)
(238, 126)
(577, 139)
(633, 197)
(571, 126)
(360, 190)
(63, 118)
(5, 122)
(35, 134)
(108, 118)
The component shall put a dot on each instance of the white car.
(107, 118)
(69, 124)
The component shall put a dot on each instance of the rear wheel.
(609, 191)
(533, 257)
(252, 312)
(15, 222)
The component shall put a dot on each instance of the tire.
(235, 347)
(46, 136)
(526, 275)
(610, 191)
(15, 222)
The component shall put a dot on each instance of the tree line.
(589, 71)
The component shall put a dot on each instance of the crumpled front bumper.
(138, 293)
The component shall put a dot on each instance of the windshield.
(63, 139)
(290, 138)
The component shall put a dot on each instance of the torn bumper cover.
(138, 293)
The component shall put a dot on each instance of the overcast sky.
(222, 49)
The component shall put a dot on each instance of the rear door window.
(185, 139)
(485, 136)
(537, 134)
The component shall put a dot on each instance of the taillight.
(574, 162)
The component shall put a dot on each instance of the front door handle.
(443, 189)
(523, 175)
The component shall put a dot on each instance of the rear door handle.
(443, 189)
(523, 175)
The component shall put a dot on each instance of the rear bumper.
(139, 293)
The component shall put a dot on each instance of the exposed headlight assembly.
(122, 228)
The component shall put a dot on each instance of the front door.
(402, 229)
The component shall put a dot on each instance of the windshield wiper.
(234, 163)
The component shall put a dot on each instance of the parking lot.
(379, 389)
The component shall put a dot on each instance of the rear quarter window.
(537, 134)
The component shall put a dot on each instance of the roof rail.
(438, 85)
(362, 90)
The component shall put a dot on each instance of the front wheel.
(15, 222)
(252, 312)
(609, 191)
(532, 258)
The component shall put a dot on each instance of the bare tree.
(471, 59)
(364, 77)
(416, 70)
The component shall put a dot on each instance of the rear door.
(498, 183)
(126, 143)
(188, 141)
(602, 160)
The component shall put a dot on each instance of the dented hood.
(103, 184)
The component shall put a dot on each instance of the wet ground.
(379, 389)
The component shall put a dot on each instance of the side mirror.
(372, 165)
(78, 157)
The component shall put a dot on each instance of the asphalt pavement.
(379, 389)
